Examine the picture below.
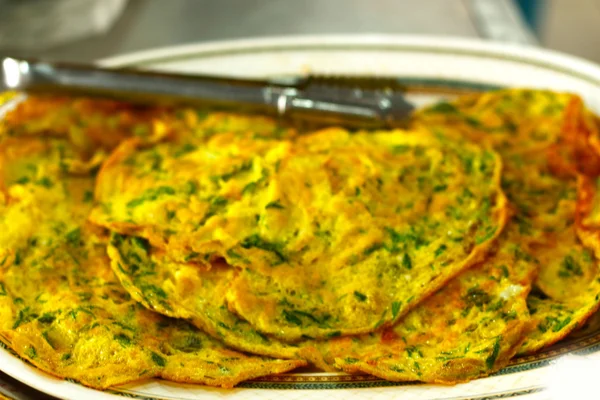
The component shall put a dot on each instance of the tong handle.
(358, 108)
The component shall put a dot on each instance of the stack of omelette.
(208, 247)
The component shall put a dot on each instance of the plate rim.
(551, 59)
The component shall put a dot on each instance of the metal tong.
(317, 100)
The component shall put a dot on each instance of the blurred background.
(86, 30)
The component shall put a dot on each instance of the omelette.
(543, 138)
(469, 329)
(333, 233)
(215, 247)
(61, 306)
(191, 291)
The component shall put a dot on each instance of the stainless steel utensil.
(322, 100)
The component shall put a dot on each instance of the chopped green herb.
(476, 297)
(373, 248)
(442, 108)
(249, 188)
(153, 291)
(218, 201)
(74, 237)
(360, 296)
(406, 261)
(569, 267)
(30, 352)
(440, 250)
(396, 368)
(334, 334)
(88, 196)
(45, 182)
(48, 340)
(158, 359)
(141, 243)
(123, 339)
(244, 167)
(151, 195)
(2, 289)
(275, 204)
(561, 324)
(490, 231)
(396, 308)
(440, 188)
(291, 318)
(22, 180)
(185, 149)
(491, 359)
(47, 318)
(401, 149)
(190, 188)
(17, 260)
(260, 243)
(222, 325)
(381, 320)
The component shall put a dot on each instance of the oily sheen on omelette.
(392, 253)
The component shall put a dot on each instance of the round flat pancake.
(61, 306)
(334, 233)
(544, 140)
(468, 329)
(191, 291)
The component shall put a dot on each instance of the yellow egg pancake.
(61, 306)
(541, 137)
(470, 328)
(191, 291)
(333, 233)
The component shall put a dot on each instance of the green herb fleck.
(185, 149)
(30, 352)
(491, 359)
(74, 237)
(359, 296)
(123, 339)
(249, 188)
(440, 250)
(406, 261)
(291, 318)
(569, 267)
(45, 182)
(476, 296)
(88, 196)
(260, 243)
(158, 359)
(151, 195)
(489, 233)
(47, 318)
(373, 248)
(440, 188)
(275, 204)
(396, 308)
(442, 108)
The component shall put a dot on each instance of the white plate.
(431, 67)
